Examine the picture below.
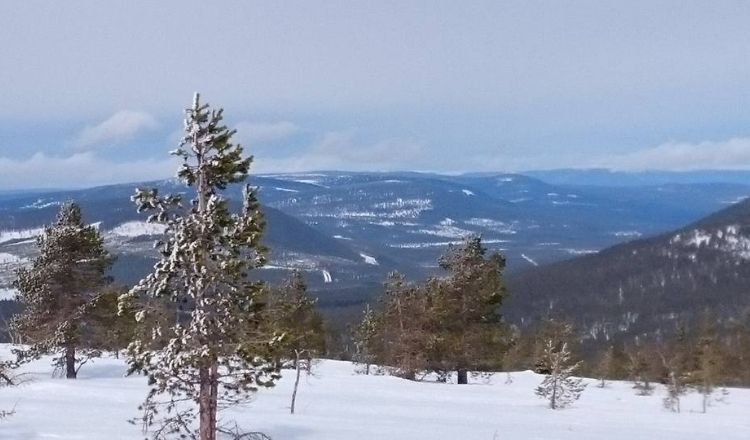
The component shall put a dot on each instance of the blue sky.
(92, 92)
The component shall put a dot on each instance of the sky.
(93, 92)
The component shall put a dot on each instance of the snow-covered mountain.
(648, 286)
(347, 230)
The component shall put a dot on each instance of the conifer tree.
(707, 374)
(59, 289)
(211, 353)
(464, 310)
(293, 313)
(639, 370)
(403, 327)
(364, 337)
(559, 387)
(605, 367)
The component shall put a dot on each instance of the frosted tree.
(210, 353)
(559, 387)
(59, 291)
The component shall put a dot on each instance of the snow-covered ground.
(337, 404)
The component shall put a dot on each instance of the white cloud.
(118, 128)
(729, 154)
(78, 170)
(257, 132)
(340, 150)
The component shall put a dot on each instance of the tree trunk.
(463, 376)
(553, 400)
(296, 380)
(70, 362)
(207, 403)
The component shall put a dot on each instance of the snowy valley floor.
(337, 404)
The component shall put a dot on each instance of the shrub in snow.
(559, 387)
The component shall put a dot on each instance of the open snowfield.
(337, 404)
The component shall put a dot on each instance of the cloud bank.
(78, 170)
(733, 153)
(257, 132)
(121, 127)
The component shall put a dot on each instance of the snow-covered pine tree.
(211, 354)
(559, 387)
(59, 290)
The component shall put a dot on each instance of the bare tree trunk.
(296, 380)
(70, 362)
(553, 401)
(463, 376)
(207, 403)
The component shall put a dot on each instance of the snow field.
(337, 404)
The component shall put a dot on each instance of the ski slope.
(337, 404)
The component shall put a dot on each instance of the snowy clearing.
(529, 259)
(138, 229)
(6, 236)
(337, 404)
(326, 276)
(369, 259)
(7, 294)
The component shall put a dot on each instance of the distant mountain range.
(347, 230)
(647, 287)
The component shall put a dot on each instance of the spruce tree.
(59, 291)
(605, 367)
(293, 313)
(403, 327)
(464, 310)
(365, 338)
(210, 352)
(709, 359)
(559, 387)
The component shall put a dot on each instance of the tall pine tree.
(465, 305)
(211, 353)
(60, 290)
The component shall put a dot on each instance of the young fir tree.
(293, 313)
(402, 327)
(640, 371)
(709, 359)
(59, 291)
(364, 337)
(467, 328)
(559, 387)
(213, 354)
(605, 368)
